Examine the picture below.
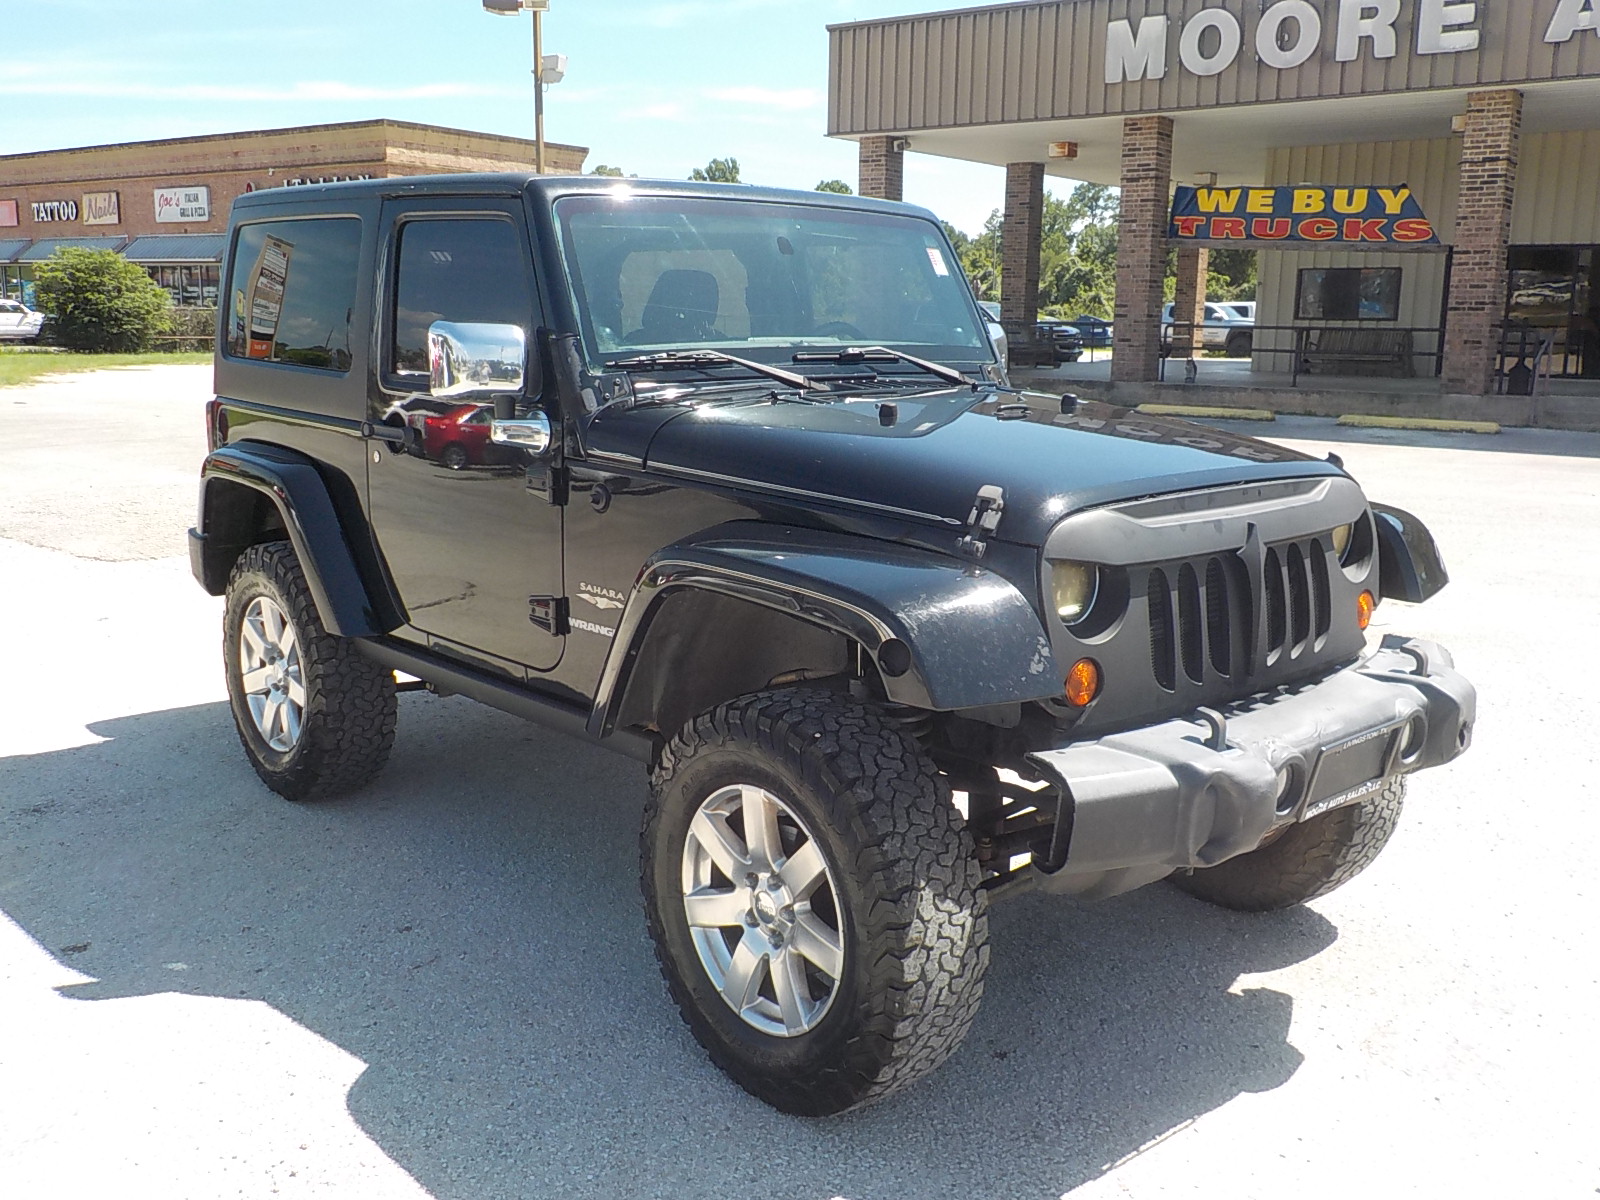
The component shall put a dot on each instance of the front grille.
(1209, 624)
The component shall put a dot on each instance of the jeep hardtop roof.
(548, 188)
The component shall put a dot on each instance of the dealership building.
(164, 204)
(1421, 178)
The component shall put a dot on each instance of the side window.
(291, 288)
(457, 269)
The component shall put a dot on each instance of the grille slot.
(1299, 597)
(1219, 631)
(1162, 644)
(1190, 633)
(1273, 602)
(1321, 590)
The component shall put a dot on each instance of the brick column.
(1485, 188)
(1189, 300)
(883, 168)
(1019, 247)
(1141, 247)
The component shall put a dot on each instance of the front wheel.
(315, 716)
(814, 901)
(1305, 861)
(1239, 345)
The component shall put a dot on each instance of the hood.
(944, 445)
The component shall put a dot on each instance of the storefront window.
(189, 285)
(1552, 298)
(1348, 294)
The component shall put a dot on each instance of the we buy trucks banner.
(1372, 215)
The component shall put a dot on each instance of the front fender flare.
(302, 497)
(1409, 566)
(944, 634)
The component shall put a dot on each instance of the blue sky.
(654, 88)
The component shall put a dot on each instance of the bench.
(1357, 351)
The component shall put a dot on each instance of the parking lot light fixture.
(510, 8)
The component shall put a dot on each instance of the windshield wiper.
(678, 359)
(855, 354)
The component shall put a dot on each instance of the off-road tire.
(1308, 860)
(914, 921)
(1239, 345)
(348, 719)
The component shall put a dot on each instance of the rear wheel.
(814, 899)
(315, 716)
(1307, 860)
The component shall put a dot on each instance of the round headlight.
(1341, 540)
(1073, 587)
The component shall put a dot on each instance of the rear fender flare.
(944, 634)
(292, 483)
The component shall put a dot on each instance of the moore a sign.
(1289, 33)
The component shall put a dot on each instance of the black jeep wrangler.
(731, 481)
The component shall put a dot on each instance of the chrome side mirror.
(476, 359)
(531, 433)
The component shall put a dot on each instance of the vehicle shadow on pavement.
(469, 927)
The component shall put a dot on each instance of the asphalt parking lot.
(442, 986)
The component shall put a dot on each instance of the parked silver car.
(1228, 325)
(19, 323)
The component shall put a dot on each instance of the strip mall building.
(1421, 176)
(164, 204)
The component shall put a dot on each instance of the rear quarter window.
(291, 289)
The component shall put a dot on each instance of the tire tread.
(1309, 860)
(926, 923)
(351, 707)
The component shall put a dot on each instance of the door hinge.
(551, 614)
(551, 480)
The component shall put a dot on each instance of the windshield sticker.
(937, 259)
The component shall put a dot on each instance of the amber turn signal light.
(1364, 606)
(1083, 682)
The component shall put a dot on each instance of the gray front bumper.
(1144, 803)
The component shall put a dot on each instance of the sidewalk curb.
(1213, 412)
(1430, 424)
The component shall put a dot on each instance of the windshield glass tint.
(762, 280)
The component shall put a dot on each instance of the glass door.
(1554, 295)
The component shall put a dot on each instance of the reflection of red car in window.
(458, 438)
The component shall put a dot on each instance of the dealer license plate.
(1350, 770)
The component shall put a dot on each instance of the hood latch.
(987, 508)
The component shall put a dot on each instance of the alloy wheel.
(763, 910)
(270, 670)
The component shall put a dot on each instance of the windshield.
(762, 280)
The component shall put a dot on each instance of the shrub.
(100, 301)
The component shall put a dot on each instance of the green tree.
(609, 172)
(100, 301)
(718, 170)
(838, 186)
(1077, 253)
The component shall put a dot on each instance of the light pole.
(510, 8)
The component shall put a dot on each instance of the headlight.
(1341, 540)
(1073, 585)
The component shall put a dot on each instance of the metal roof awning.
(44, 248)
(177, 248)
(10, 250)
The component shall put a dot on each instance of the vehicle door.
(465, 525)
(10, 318)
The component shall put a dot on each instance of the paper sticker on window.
(937, 259)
